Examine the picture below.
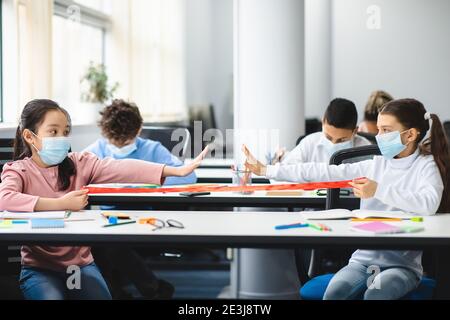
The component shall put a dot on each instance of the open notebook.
(344, 214)
(33, 215)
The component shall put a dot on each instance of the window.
(1, 61)
(78, 39)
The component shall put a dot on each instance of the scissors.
(160, 224)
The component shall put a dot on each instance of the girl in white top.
(412, 176)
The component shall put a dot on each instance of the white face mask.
(54, 149)
(332, 148)
(122, 152)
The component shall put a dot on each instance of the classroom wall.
(408, 56)
(209, 57)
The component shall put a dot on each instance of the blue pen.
(20, 222)
(292, 226)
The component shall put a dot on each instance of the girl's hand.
(279, 155)
(252, 164)
(364, 188)
(75, 200)
(185, 170)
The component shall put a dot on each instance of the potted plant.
(96, 91)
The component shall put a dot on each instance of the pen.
(78, 220)
(292, 226)
(118, 224)
(14, 221)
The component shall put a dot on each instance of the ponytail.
(438, 146)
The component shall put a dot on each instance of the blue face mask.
(332, 148)
(390, 144)
(54, 150)
(123, 152)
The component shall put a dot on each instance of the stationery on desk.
(34, 215)
(47, 224)
(319, 226)
(361, 215)
(377, 227)
(118, 224)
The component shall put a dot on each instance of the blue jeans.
(42, 284)
(351, 282)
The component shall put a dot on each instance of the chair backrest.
(312, 125)
(176, 140)
(6, 152)
(348, 155)
(205, 114)
(299, 140)
(368, 136)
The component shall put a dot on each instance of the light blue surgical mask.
(332, 148)
(54, 149)
(391, 144)
(123, 152)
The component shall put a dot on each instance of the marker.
(118, 224)
(324, 227)
(315, 227)
(292, 226)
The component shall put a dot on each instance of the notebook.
(384, 228)
(344, 214)
(46, 224)
(33, 215)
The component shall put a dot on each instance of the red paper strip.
(225, 188)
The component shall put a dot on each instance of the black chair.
(6, 152)
(312, 125)
(315, 287)
(205, 114)
(9, 255)
(368, 136)
(176, 140)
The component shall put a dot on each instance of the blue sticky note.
(46, 224)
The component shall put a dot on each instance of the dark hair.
(411, 114)
(342, 114)
(33, 115)
(375, 104)
(120, 121)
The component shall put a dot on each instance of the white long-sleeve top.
(313, 149)
(412, 184)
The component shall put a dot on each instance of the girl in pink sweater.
(45, 177)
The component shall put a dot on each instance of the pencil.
(118, 224)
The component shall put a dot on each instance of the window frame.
(88, 16)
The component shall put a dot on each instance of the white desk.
(230, 229)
